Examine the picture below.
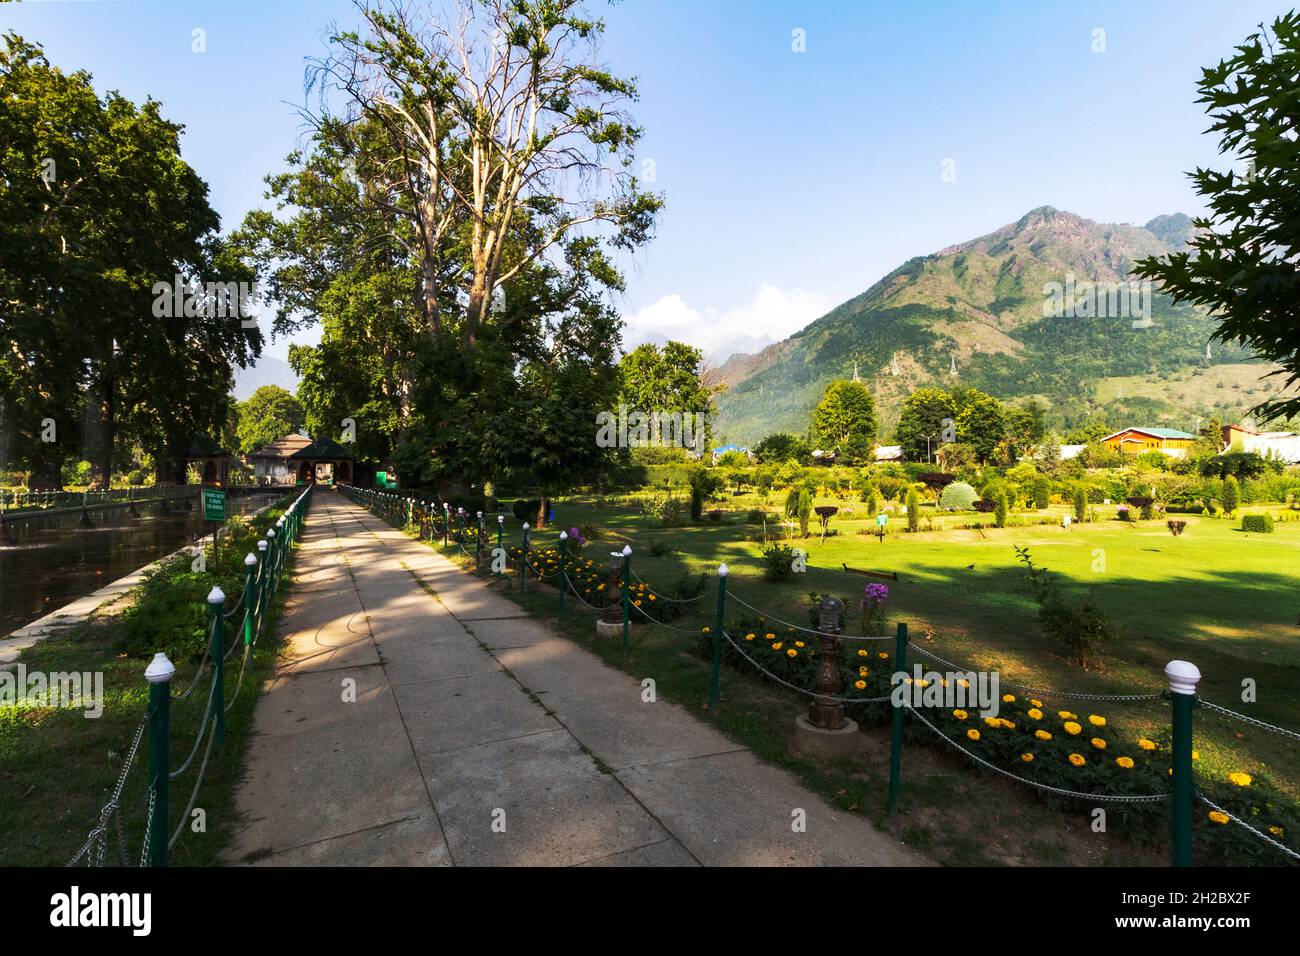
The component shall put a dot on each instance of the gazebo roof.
(323, 448)
(281, 447)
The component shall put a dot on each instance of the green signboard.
(214, 504)
(882, 519)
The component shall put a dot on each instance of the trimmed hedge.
(1260, 523)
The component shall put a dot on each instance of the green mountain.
(984, 308)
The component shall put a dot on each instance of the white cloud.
(770, 316)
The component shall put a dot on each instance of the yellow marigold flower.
(652, 597)
(1035, 713)
(636, 603)
(1077, 760)
(1125, 762)
(883, 656)
(860, 685)
(973, 734)
(1008, 698)
(1276, 831)
(798, 643)
(770, 637)
(943, 682)
(1219, 817)
(1006, 724)
(1027, 758)
(863, 672)
(961, 683)
(1096, 721)
(1042, 735)
(1196, 755)
(1098, 743)
(861, 653)
(1146, 744)
(705, 629)
(776, 646)
(1240, 779)
(749, 637)
(960, 714)
(1072, 728)
(1066, 715)
(792, 653)
(1036, 703)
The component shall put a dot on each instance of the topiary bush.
(1262, 524)
(957, 496)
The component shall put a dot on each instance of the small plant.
(1082, 628)
(778, 563)
(872, 608)
(1231, 494)
(913, 506)
(957, 496)
(1000, 511)
(1080, 503)
(1175, 527)
(804, 511)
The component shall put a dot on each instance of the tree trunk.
(100, 434)
(542, 511)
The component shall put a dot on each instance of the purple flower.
(873, 595)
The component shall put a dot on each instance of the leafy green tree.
(780, 448)
(981, 422)
(1000, 509)
(269, 413)
(1241, 266)
(913, 506)
(1080, 502)
(1231, 494)
(844, 421)
(804, 511)
(920, 429)
(667, 380)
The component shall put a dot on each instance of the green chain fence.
(1181, 676)
(264, 572)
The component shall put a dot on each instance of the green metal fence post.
(627, 597)
(523, 558)
(723, 571)
(446, 522)
(1183, 678)
(478, 543)
(564, 547)
(896, 724)
(501, 529)
(250, 562)
(264, 565)
(215, 599)
(159, 675)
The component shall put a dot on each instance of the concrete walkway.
(477, 736)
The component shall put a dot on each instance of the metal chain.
(1039, 690)
(113, 805)
(574, 589)
(248, 653)
(148, 826)
(1242, 823)
(810, 693)
(664, 597)
(203, 769)
(806, 630)
(198, 739)
(1223, 711)
(1113, 798)
(665, 624)
(198, 673)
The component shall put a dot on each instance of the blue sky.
(794, 180)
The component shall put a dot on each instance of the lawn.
(1223, 599)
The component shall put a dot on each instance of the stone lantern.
(824, 731)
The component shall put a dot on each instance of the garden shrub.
(1000, 511)
(1082, 628)
(1080, 503)
(957, 496)
(804, 511)
(913, 506)
(1231, 495)
(1259, 523)
(778, 560)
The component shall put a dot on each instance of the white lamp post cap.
(216, 595)
(525, 525)
(250, 559)
(627, 549)
(160, 669)
(723, 570)
(262, 544)
(270, 533)
(1183, 676)
(564, 536)
(501, 519)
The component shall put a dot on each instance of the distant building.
(1071, 451)
(889, 453)
(271, 463)
(1138, 441)
(1284, 445)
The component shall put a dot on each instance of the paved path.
(469, 718)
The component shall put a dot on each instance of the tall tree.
(1244, 262)
(666, 380)
(981, 422)
(920, 429)
(495, 113)
(844, 421)
(269, 413)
